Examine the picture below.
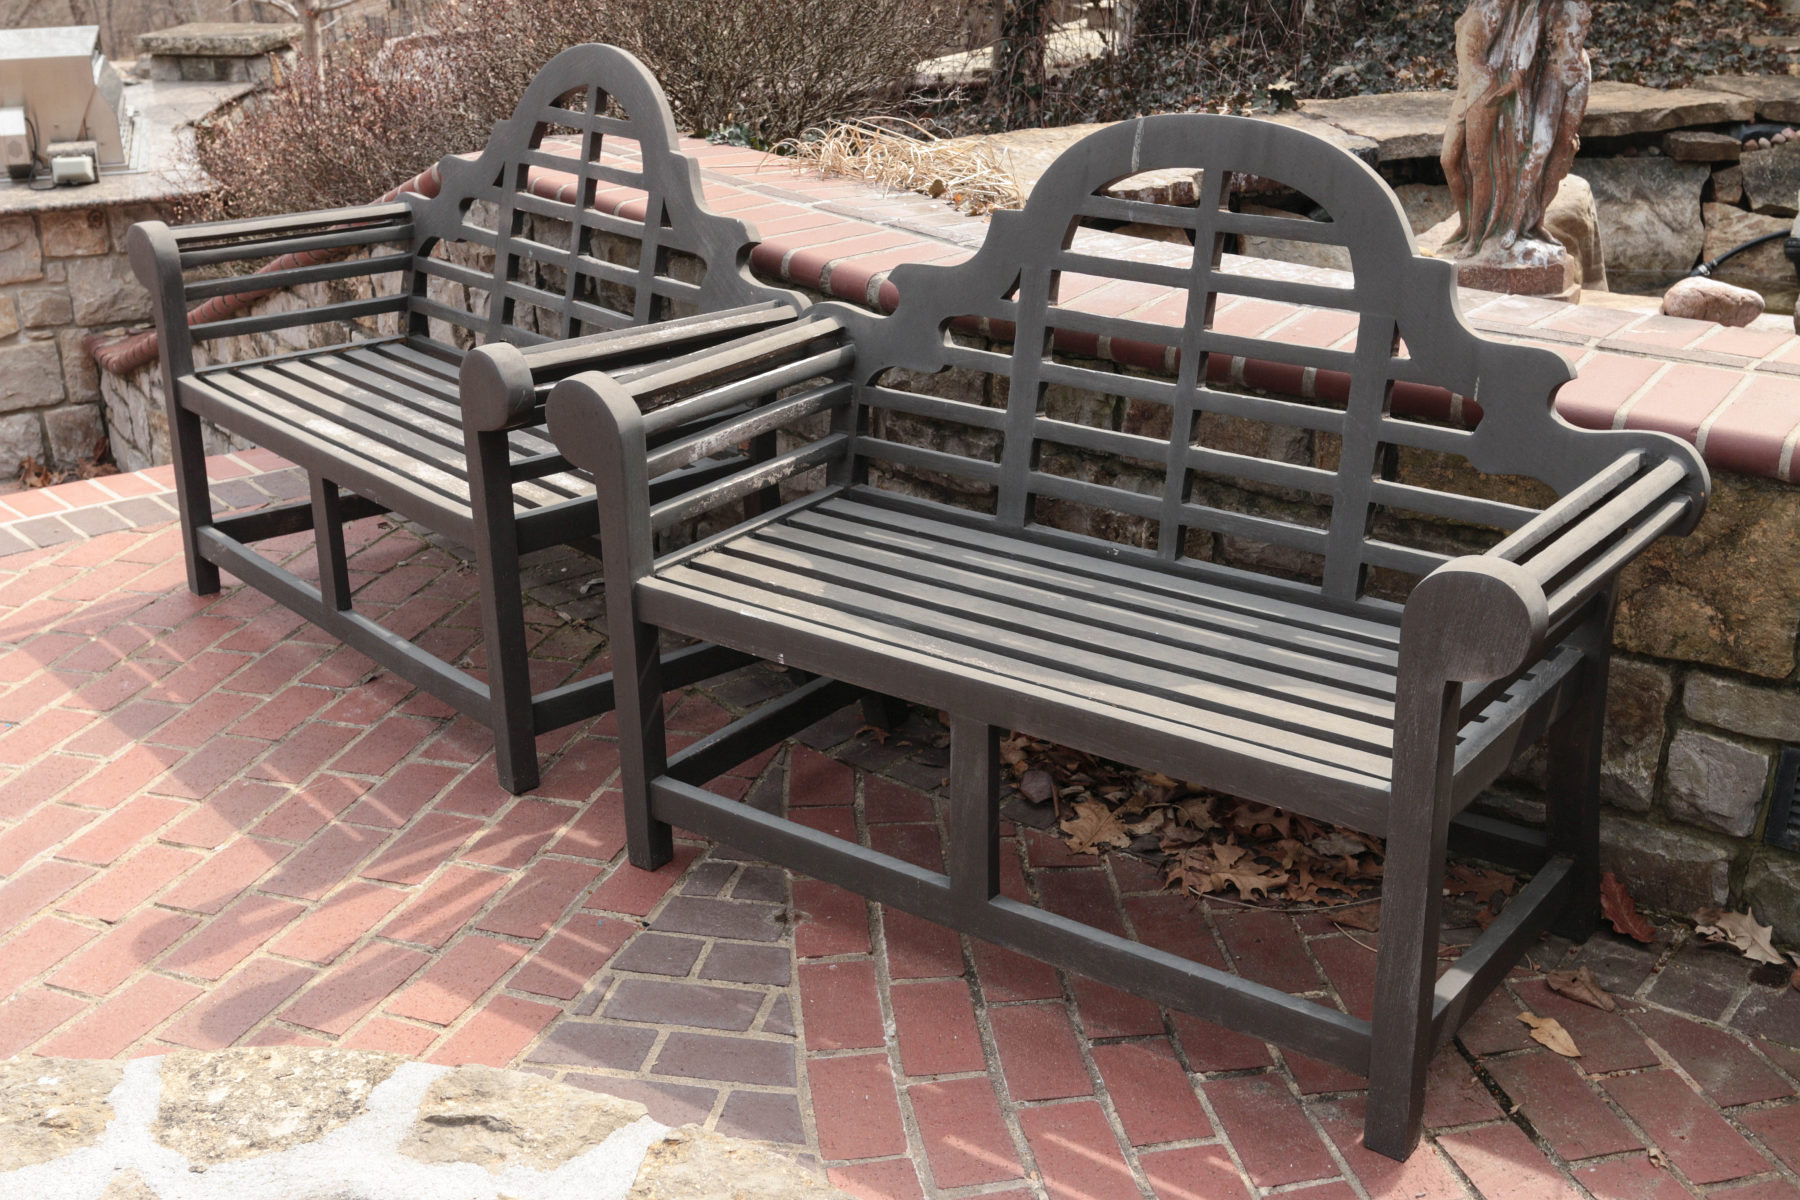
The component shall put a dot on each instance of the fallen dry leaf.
(34, 475)
(1658, 1159)
(1581, 986)
(1365, 917)
(1741, 931)
(1094, 828)
(1621, 912)
(1251, 880)
(1795, 979)
(1547, 1031)
(1483, 884)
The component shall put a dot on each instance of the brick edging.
(1734, 393)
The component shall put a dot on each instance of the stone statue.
(1521, 91)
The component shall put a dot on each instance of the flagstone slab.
(1622, 109)
(1777, 97)
(1401, 124)
(278, 1123)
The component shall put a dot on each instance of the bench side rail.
(1094, 349)
(581, 216)
(783, 394)
(198, 275)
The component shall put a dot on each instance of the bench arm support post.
(156, 261)
(1473, 619)
(597, 425)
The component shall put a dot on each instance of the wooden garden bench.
(545, 263)
(933, 558)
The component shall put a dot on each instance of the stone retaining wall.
(63, 276)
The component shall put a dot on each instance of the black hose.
(1705, 269)
(1761, 130)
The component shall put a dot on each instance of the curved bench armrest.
(504, 386)
(740, 392)
(1577, 545)
(302, 248)
(257, 237)
(1486, 616)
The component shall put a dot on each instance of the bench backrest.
(1146, 431)
(578, 217)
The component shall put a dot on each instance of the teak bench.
(553, 263)
(1290, 686)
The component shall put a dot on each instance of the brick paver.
(219, 828)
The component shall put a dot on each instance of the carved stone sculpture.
(1522, 89)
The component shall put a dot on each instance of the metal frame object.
(1308, 693)
(443, 436)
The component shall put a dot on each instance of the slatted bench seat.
(421, 393)
(1296, 602)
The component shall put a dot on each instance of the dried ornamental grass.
(903, 156)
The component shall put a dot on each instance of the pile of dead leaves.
(1213, 842)
(1746, 935)
(34, 474)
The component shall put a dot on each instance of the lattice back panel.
(580, 216)
(1136, 384)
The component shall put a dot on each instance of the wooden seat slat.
(411, 409)
(935, 635)
(1019, 606)
(292, 432)
(373, 443)
(408, 363)
(1379, 639)
(440, 420)
(1258, 636)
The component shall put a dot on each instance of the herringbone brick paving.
(219, 827)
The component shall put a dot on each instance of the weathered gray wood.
(1306, 693)
(450, 440)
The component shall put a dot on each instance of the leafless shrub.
(773, 68)
(380, 113)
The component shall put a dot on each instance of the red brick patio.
(218, 827)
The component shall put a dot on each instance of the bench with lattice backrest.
(431, 329)
(1037, 514)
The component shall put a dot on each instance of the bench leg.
(1400, 1034)
(883, 712)
(643, 752)
(1405, 976)
(193, 497)
(502, 613)
(328, 542)
(974, 812)
(1573, 818)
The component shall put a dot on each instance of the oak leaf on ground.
(1366, 917)
(1581, 986)
(1548, 1031)
(1621, 912)
(1093, 828)
(1742, 931)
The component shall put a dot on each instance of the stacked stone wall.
(63, 276)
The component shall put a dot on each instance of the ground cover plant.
(1216, 55)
